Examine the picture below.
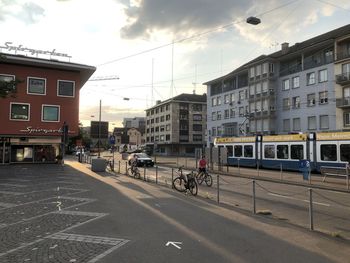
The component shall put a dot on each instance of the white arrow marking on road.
(175, 244)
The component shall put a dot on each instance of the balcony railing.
(343, 102)
(343, 55)
(343, 79)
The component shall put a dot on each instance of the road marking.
(174, 243)
(302, 200)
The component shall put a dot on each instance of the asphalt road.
(55, 214)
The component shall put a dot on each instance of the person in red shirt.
(202, 165)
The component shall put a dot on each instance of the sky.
(149, 50)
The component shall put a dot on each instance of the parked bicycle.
(110, 163)
(204, 176)
(134, 171)
(184, 182)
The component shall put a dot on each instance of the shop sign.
(34, 52)
(32, 130)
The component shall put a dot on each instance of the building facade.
(177, 126)
(301, 88)
(46, 101)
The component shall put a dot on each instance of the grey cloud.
(28, 12)
(180, 16)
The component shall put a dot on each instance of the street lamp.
(253, 20)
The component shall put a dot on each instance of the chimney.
(284, 47)
(158, 102)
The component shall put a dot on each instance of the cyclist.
(202, 165)
(134, 163)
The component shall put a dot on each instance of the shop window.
(20, 111)
(65, 88)
(50, 113)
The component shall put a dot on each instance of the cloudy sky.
(171, 45)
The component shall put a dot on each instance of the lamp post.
(99, 131)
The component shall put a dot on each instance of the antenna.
(195, 80)
(172, 70)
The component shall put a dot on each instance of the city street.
(51, 213)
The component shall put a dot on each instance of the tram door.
(4, 152)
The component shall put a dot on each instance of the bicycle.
(185, 182)
(204, 176)
(134, 171)
(110, 164)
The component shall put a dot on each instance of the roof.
(298, 47)
(184, 97)
(84, 70)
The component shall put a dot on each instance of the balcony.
(343, 55)
(343, 79)
(343, 102)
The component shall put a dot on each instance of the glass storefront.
(34, 153)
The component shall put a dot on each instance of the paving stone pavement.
(38, 211)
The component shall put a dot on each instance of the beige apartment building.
(177, 126)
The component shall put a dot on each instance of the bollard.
(157, 174)
(309, 175)
(281, 171)
(144, 173)
(218, 187)
(227, 168)
(172, 178)
(311, 210)
(119, 167)
(254, 205)
(126, 168)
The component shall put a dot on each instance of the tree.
(8, 88)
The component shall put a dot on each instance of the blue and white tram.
(329, 149)
(283, 151)
(240, 150)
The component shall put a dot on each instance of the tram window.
(328, 152)
(345, 152)
(282, 152)
(269, 151)
(229, 150)
(248, 151)
(297, 152)
(238, 150)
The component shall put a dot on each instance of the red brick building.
(31, 124)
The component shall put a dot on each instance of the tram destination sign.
(10, 47)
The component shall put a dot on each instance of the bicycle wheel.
(208, 180)
(193, 187)
(200, 178)
(179, 184)
(129, 171)
(137, 174)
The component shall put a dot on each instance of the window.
(282, 152)
(213, 131)
(227, 99)
(271, 68)
(162, 118)
(286, 104)
(311, 100)
(296, 124)
(241, 95)
(329, 152)
(219, 131)
(197, 107)
(167, 127)
(232, 113)
(7, 79)
(248, 151)
(297, 152)
(167, 137)
(310, 78)
(295, 82)
(241, 111)
(345, 152)
(322, 75)
(197, 117)
(20, 111)
(162, 128)
(285, 84)
(264, 87)
(252, 72)
(227, 114)
(218, 115)
(286, 125)
(213, 102)
(258, 70)
(157, 119)
(232, 97)
(345, 68)
(197, 127)
(50, 113)
(347, 119)
(197, 137)
(323, 97)
(324, 122)
(167, 107)
(213, 116)
(219, 100)
(269, 151)
(238, 150)
(251, 90)
(161, 138)
(36, 86)
(265, 68)
(311, 123)
(157, 110)
(167, 117)
(65, 88)
(296, 102)
(258, 88)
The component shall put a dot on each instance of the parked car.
(142, 159)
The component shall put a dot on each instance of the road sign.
(111, 139)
